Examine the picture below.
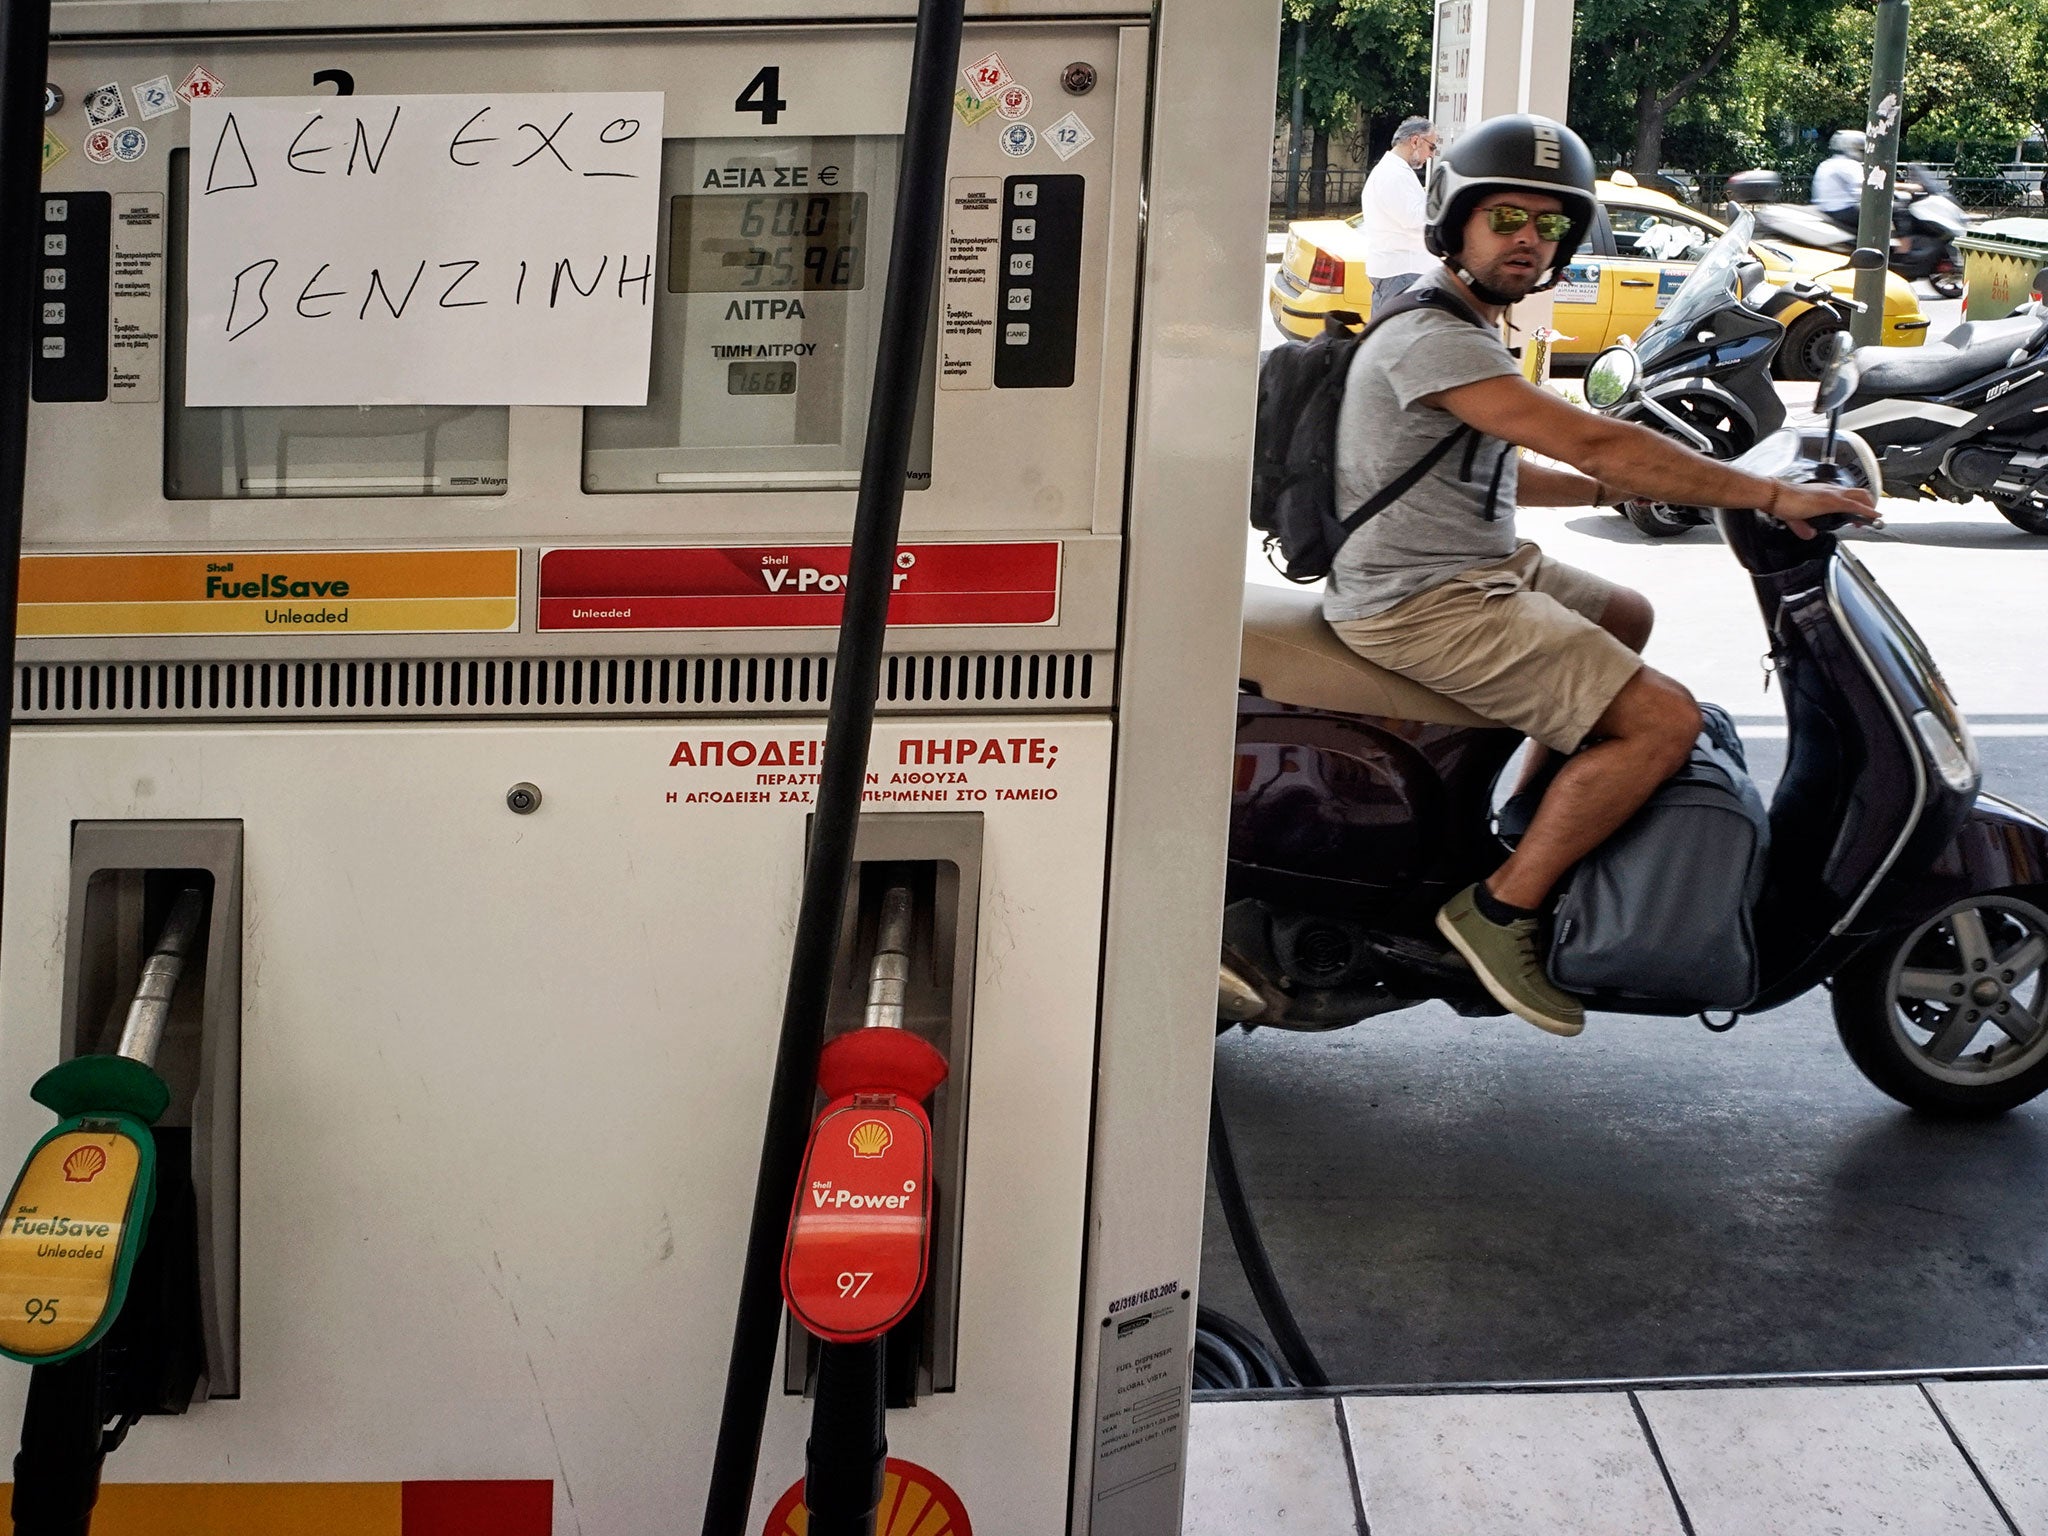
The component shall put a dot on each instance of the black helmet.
(1523, 150)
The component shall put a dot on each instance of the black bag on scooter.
(1663, 912)
(1294, 443)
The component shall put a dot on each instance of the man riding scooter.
(1838, 180)
(1436, 586)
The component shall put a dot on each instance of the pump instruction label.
(967, 318)
(793, 586)
(135, 307)
(295, 592)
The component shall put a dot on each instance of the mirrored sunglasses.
(1506, 218)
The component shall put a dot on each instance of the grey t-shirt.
(1458, 515)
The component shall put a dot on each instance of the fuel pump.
(421, 585)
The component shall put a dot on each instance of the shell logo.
(915, 1502)
(84, 1165)
(870, 1138)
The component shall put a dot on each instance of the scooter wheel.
(1660, 519)
(2027, 515)
(1947, 285)
(1950, 1017)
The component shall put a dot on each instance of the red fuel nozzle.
(859, 1246)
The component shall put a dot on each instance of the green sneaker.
(1506, 962)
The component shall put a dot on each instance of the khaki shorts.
(1517, 641)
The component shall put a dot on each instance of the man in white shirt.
(1838, 182)
(1394, 253)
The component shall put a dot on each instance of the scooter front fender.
(2001, 847)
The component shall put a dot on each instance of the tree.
(1638, 63)
(1974, 71)
(1365, 67)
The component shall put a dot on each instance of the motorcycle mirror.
(1838, 372)
(1866, 259)
(1611, 377)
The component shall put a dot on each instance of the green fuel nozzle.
(70, 1233)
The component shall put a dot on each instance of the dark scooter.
(1361, 802)
(1955, 419)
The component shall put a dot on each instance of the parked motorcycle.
(1958, 418)
(1701, 372)
(1962, 417)
(1926, 220)
(1362, 802)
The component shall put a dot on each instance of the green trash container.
(2000, 258)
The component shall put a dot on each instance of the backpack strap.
(1415, 296)
(1388, 494)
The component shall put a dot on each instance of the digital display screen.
(770, 242)
(760, 378)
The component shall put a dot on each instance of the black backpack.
(1294, 444)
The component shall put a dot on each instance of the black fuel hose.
(1251, 1253)
(24, 69)
(63, 1444)
(57, 1474)
(848, 1453)
(856, 673)
(1230, 1357)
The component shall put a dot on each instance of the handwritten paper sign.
(423, 250)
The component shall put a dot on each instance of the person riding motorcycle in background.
(1437, 587)
(1838, 180)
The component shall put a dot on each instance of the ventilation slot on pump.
(569, 685)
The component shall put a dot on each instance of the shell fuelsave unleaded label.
(295, 592)
(63, 1237)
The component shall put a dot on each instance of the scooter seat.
(1968, 353)
(1294, 657)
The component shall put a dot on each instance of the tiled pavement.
(1939, 1458)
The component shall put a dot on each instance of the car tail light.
(1327, 275)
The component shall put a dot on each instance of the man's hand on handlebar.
(1801, 507)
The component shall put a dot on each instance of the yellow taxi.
(1642, 247)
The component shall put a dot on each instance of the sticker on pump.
(793, 586)
(69, 1235)
(156, 98)
(200, 85)
(985, 77)
(916, 1501)
(860, 1237)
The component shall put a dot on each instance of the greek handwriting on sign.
(423, 250)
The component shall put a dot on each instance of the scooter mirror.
(1838, 372)
(1866, 259)
(1611, 377)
